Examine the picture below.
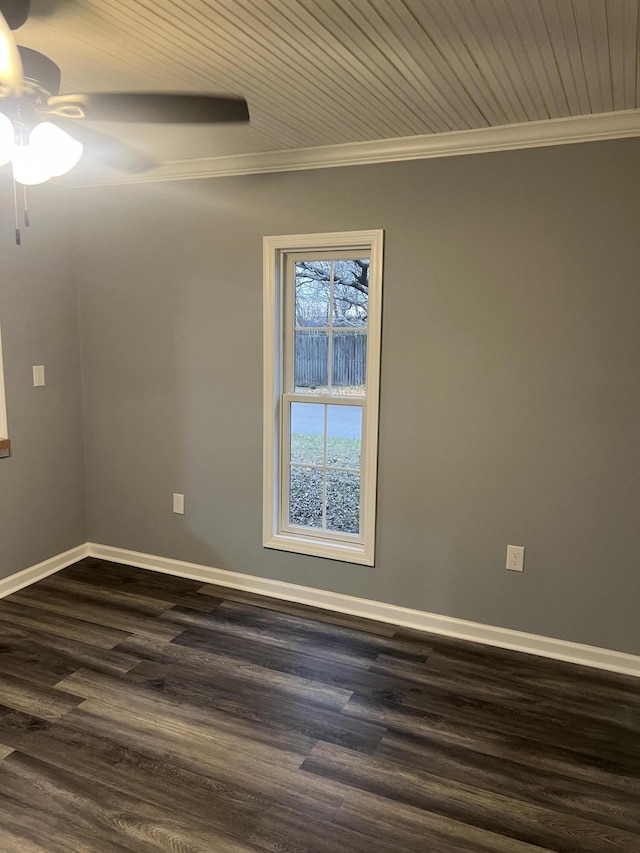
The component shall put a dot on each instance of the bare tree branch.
(350, 291)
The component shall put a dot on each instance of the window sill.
(344, 552)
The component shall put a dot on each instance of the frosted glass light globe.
(57, 149)
(29, 167)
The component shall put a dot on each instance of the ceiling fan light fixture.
(6, 139)
(51, 152)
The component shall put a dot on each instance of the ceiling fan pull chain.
(15, 210)
(15, 191)
(27, 220)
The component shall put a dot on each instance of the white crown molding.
(535, 134)
(42, 570)
(430, 622)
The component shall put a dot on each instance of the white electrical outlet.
(38, 375)
(178, 504)
(515, 558)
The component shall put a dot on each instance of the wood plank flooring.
(141, 712)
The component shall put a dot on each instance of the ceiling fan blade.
(38, 67)
(11, 76)
(155, 107)
(43, 9)
(106, 150)
(15, 12)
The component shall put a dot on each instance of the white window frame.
(276, 532)
(4, 428)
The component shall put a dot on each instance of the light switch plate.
(38, 375)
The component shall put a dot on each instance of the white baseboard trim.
(47, 567)
(504, 638)
(448, 626)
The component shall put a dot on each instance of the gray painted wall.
(42, 499)
(510, 409)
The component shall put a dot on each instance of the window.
(323, 295)
(5, 444)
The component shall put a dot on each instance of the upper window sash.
(291, 328)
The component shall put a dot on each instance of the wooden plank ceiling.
(317, 72)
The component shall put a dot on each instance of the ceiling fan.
(44, 133)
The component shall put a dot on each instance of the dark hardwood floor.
(142, 712)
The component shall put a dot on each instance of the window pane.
(350, 293)
(305, 497)
(344, 436)
(312, 293)
(311, 361)
(349, 362)
(343, 502)
(307, 433)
